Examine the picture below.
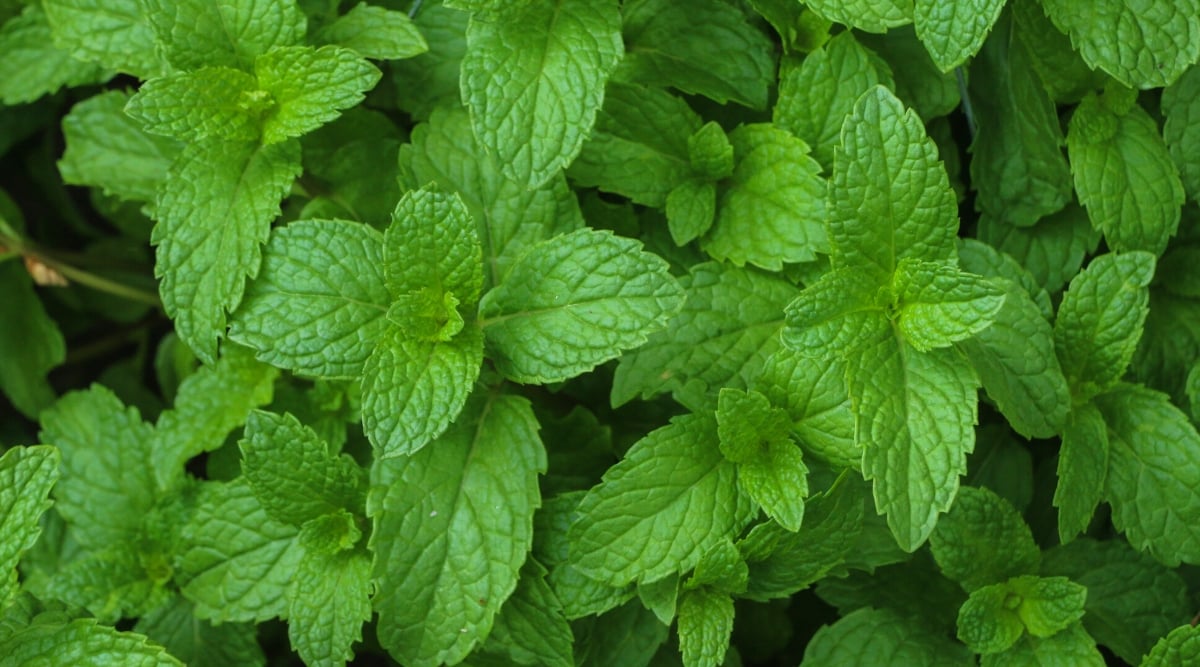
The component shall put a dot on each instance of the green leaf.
(691, 208)
(431, 80)
(771, 208)
(813, 391)
(1141, 43)
(662, 596)
(953, 31)
(704, 47)
(238, 562)
(82, 643)
(101, 440)
(865, 15)
(1181, 131)
(33, 66)
(1072, 646)
(578, 594)
(530, 628)
(1100, 320)
(983, 540)
(988, 622)
(710, 153)
(557, 56)
(209, 103)
(317, 306)
(576, 301)
(432, 244)
(452, 530)
(328, 601)
(1180, 647)
(31, 344)
(214, 212)
(660, 508)
(1154, 490)
(199, 643)
(1018, 168)
(1048, 604)
(940, 305)
(1082, 469)
(890, 198)
(1066, 77)
(26, 476)
(310, 87)
(882, 637)
(705, 626)
(291, 471)
(1052, 250)
(1123, 172)
(996, 616)
(375, 32)
(771, 468)
(721, 568)
(118, 581)
(112, 33)
(816, 96)
(911, 585)
(728, 327)
(198, 33)
(108, 149)
(748, 426)
(839, 313)
(919, 83)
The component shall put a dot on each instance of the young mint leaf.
(1100, 320)
(317, 306)
(817, 95)
(1082, 469)
(705, 625)
(310, 87)
(953, 31)
(813, 391)
(1072, 646)
(705, 47)
(200, 33)
(996, 616)
(1141, 43)
(983, 540)
(115, 34)
(988, 622)
(292, 473)
(576, 301)
(721, 568)
(1180, 647)
(710, 153)
(238, 561)
(113, 583)
(26, 476)
(33, 66)
(748, 426)
(199, 643)
(328, 601)
(668, 501)
(530, 628)
(881, 637)
(1181, 131)
(1123, 171)
(1017, 166)
(209, 103)
(1052, 250)
(214, 211)
(108, 149)
(864, 15)
(800, 30)
(31, 344)
(771, 207)
(1049, 605)
(534, 123)
(82, 643)
(375, 32)
(1153, 490)
(691, 208)
(771, 468)
(940, 305)
(432, 243)
(919, 83)
(452, 530)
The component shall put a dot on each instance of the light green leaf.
(1082, 470)
(721, 568)
(101, 440)
(835, 315)
(293, 474)
(748, 425)
(238, 562)
(1154, 490)
(1141, 43)
(890, 198)
(118, 581)
(662, 596)
(771, 208)
(660, 508)
(33, 66)
(727, 328)
(1072, 646)
(432, 244)
(882, 637)
(209, 103)
(115, 34)
(1181, 131)
(1179, 648)
(1049, 605)
(375, 32)
(317, 306)
(1052, 250)
(1100, 320)
(953, 31)
(108, 149)
(691, 208)
(983, 540)
(710, 153)
(771, 468)
(452, 531)
(940, 305)
(199, 33)
(328, 601)
(813, 391)
(557, 56)
(705, 626)
(31, 344)
(199, 643)
(1123, 172)
(704, 47)
(530, 628)
(864, 14)
(82, 643)
(413, 389)
(996, 616)
(26, 476)
(214, 211)
(310, 87)
(576, 301)
(987, 623)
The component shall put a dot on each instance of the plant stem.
(99, 283)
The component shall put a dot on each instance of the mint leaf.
(660, 508)
(770, 209)
(952, 31)
(691, 208)
(1082, 470)
(1100, 320)
(118, 581)
(573, 302)
(628, 635)
(432, 244)
(452, 530)
(1181, 131)
(771, 468)
(84, 643)
(431, 80)
(996, 616)
(879, 637)
(983, 540)
(1067, 78)
(375, 32)
(662, 596)
(940, 305)
(317, 306)
(113, 33)
(209, 103)
(33, 66)
(988, 622)
(1072, 646)
(919, 83)
(31, 344)
(310, 87)
(1180, 647)
(1141, 43)
(214, 211)
(26, 477)
(1048, 604)
(748, 426)
(864, 15)
(705, 48)
(200, 643)
(1152, 489)
(705, 625)
(1123, 171)
(578, 594)
(530, 628)
(197, 33)
(813, 392)
(535, 124)
(1051, 251)
(328, 601)
(710, 153)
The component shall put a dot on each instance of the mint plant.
(599, 332)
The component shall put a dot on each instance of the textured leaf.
(1180, 647)
(710, 152)
(880, 637)
(813, 391)
(865, 15)
(986, 622)
(691, 209)
(835, 315)
(953, 31)
(310, 87)
(530, 628)
(328, 601)
(1052, 250)
(983, 540)
(1082, 469)
(113, 33)
(31, 344)
(1072, 646)
(26, 476)
(214, 211)
(1063, 72)
(317, 306)
(452, 531)
(705, 625)
(199, 643)
(940, 305)
(82, 643)
(432, 243)
(557, 56)
(118, 581)
(199, 33)
(628, 635)
(209, 103)
(376, 33)
(1123, 173)
(1181, 131)
(33, 66)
